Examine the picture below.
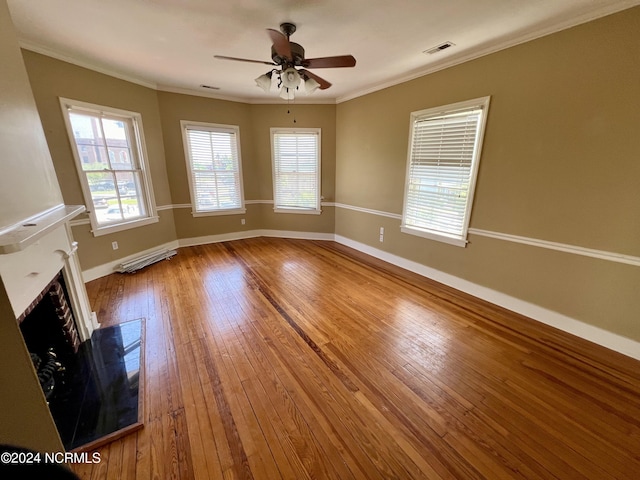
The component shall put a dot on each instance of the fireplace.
(38, 261)
(49, 330)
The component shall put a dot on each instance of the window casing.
(212, 153)
(296, 170)
(442, 166)
(110, 154)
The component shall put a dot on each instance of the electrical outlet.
(114, 245)
(381, 238)
(242, 222)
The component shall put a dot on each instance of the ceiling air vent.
(439, 48)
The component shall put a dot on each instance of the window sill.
(212, 213)
(458, 242)
(119, 227)
(303, 211)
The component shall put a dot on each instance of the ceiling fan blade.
(323, 83)
(330, 62)
(222, 57)
(280, 43)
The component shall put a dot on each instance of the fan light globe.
(264, 82)
(310, 86)
(290, 78)
(287, 93)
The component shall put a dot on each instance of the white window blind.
(296, 169)
(213, 161)
(442, 165)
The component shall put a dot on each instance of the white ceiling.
(170, 44)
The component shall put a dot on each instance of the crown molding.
(473, 54)
(84, 63)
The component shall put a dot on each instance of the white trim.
(34, 47)
(581, 329)
(395, 216)
(170, 207)
(219, 213)
(119, 227)
(562, 247)
(226, 237)
(302, 211)
(270, 100)
(438, 237)
(31, 219)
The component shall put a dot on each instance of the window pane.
(118, 143)
(130, 194)
(87, 133)
(110, 164)
(215, 168)
(296, 163)
(444, 150)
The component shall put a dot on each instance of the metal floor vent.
(145, 260)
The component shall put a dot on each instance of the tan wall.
(51, 79)
(28, 186)
(255, 122)
(559, 163)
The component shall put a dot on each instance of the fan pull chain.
(290, 111)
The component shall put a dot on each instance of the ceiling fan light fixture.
(287, 93)
(290, 78)
(264, 81)
(310, 85)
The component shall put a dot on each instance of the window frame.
(481, 103)
(317, 210)
(211, 127)
(134, 120)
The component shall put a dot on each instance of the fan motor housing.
(297, 52)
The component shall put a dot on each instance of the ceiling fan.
(289, 56)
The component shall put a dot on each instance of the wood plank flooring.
(294, 359)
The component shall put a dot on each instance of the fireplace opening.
(49, 331)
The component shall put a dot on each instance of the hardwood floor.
(273, 358)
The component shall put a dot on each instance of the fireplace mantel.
(33, 252)
(20, 236)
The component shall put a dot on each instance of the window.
(444, 153)
(108, 146)
(296, 170)
(212, 153)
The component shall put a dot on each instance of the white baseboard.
(226, 237)
(597, 335)
(562, 322)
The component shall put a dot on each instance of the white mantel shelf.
(28, 232)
